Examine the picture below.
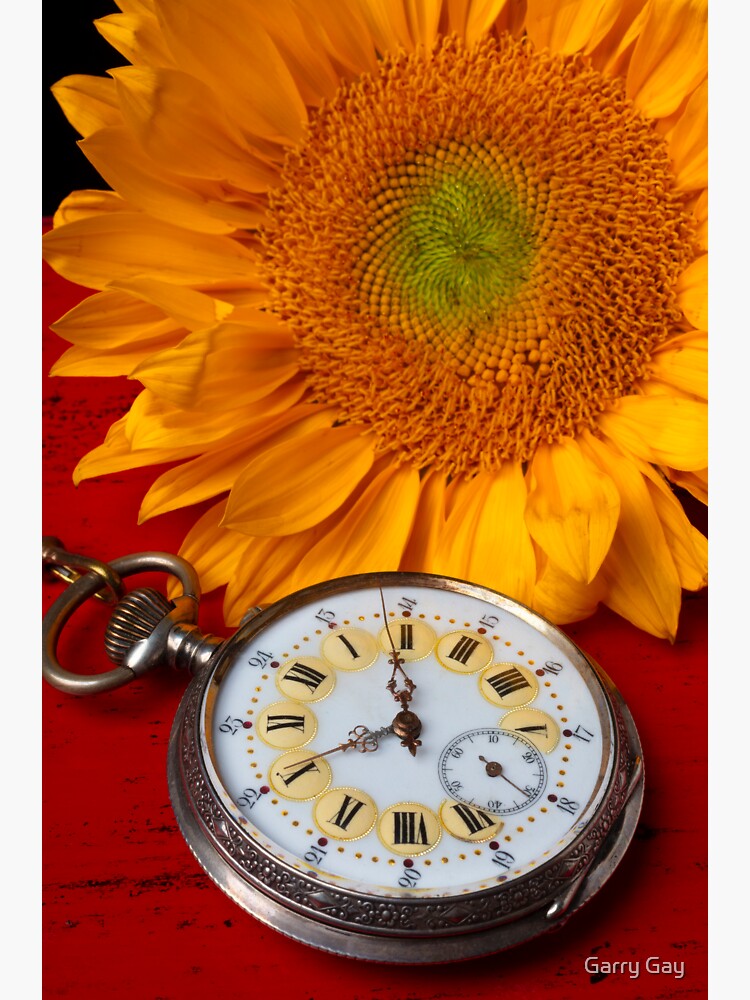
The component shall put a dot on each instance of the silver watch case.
(399, 929)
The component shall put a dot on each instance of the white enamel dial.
(488, 682)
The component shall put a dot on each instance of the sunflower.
(415, 285)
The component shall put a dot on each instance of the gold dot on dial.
(350, 649)
(509, 685)
(413, 640)
(535, 726)
(295, 776)
(465, 652)
(345, 813)
(306, 678)
(409, 829)
(469, 823)
(286, 724)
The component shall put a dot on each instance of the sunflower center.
(477, 250)
(449, 247)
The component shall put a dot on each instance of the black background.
(70, 44)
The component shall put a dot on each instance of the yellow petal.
(180, 123)
(473, 18)
(216, 553)
(692, 292)
(569, 26)
(700, 214)
(688, 546)
(423, 17)
(370, 536)
(112, 319)
(572, 509)
(486, 539)
(696, 483)
(119, 361)
(136, 36)
(342, 32)
(639, 576)
(429, 521)
(191, 309)
(688, 143)
(192, 482)
(660, 429)
(683, 363)
(670, 56)
(115, 454)
(88, 102)
(612, 54)
(264, 573)
(387, 23)
(295, 36)
(195, 205)
(300, 482)
(85, 204)
(156, 423)
(97, 250)
(561, 599)
(225, 361)
(219, 469)
(237, 58)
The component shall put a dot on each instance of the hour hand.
(361, 738)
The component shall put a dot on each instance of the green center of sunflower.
(477, 250)
(449, 246)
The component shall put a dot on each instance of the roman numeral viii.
(409, 828)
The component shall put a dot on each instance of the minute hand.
(406, 724)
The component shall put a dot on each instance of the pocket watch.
(398, 767)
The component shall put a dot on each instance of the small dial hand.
(362, 739)
(406, 724)
(495, 770)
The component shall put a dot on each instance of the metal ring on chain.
(87, 586)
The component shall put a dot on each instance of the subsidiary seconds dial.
(494, 770)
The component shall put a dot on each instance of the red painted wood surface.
(127, 911)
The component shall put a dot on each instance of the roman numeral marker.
(348, 810)
(274, 722)
(407, 636)
(507, 681)
(474, 819)
(463, 649)
(350, 647)
(299, 673)
(407, 829)
(304, 769)
(531, 729)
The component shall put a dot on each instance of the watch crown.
(135, 618)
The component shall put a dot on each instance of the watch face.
(401, 743)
